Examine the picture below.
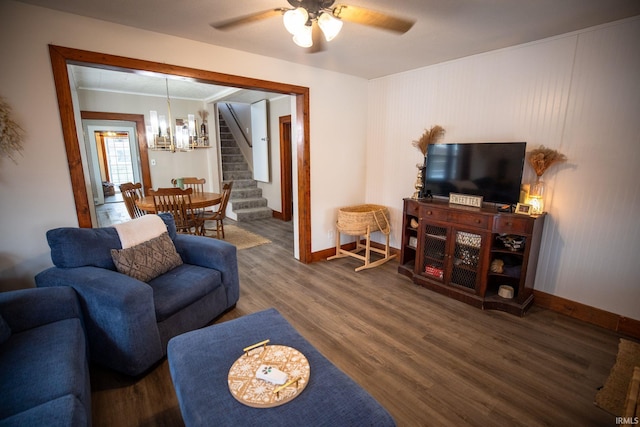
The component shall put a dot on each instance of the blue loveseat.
(129, 322)
(44, 374)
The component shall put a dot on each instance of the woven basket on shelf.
(353, 220)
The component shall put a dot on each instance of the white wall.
(577, 93)
(36, 193)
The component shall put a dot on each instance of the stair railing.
(235, 119)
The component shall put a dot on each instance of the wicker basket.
(354, 220)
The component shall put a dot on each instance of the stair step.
(238, 204)
(236, 175)
(230, 150)
(232, 158)
(244, 183)
(245, 193)
(253, 214)
(239, 166)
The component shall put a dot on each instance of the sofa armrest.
(212, 253)
(119, 314)
(29, 308)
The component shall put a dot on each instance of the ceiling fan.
(307, 19)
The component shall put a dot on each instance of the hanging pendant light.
(172, 145)
(295, 19)
(329, 25)
(303, 37)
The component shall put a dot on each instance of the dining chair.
(197, 184)
(130, 194)
(190, 182)
(219, 215)
(177, 202)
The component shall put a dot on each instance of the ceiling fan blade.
(318, 40)
(363, 16)
(247, 19)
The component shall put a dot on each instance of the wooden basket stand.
(362, 220)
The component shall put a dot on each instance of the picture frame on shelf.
(523, 209)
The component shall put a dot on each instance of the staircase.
(246, 202)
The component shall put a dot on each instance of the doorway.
(63, 56)
(286, 179)
(117, 156)
(113, 156)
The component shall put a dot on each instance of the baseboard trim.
(593, 315)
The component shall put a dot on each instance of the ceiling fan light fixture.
(295, 19)
(330, 25)
(303, 37)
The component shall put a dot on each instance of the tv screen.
(492, 170)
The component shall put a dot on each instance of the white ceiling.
(132, 83)
(444, 29)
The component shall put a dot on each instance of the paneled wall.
(578, 93)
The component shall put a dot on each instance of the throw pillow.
(79, 247)
(147, 260)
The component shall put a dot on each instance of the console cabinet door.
(453, 256)
(469, 257)
(434, 251)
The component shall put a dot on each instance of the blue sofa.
(130, 322)
(44, 374)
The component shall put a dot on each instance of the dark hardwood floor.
(429, 360)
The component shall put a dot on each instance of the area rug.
(611, 397)
(242, 239)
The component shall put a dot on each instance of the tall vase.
(418, 194)
(536, 196)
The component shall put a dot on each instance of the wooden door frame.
(102, 156)
(141, 135)
(286, 181)
(63, 56)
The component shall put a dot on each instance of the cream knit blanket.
(140, 230)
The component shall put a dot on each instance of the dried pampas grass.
(203, 115)
(542, 158)
(430, 136)
(11, 134)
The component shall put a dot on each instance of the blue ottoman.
(199, 362)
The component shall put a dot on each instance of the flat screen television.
(492, 170)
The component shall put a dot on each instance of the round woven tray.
(354, 220)
(257, 393)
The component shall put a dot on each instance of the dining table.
(198, 200)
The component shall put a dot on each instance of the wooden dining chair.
(130, 194)
(177, 202)
(219, 215)
(197, 184)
